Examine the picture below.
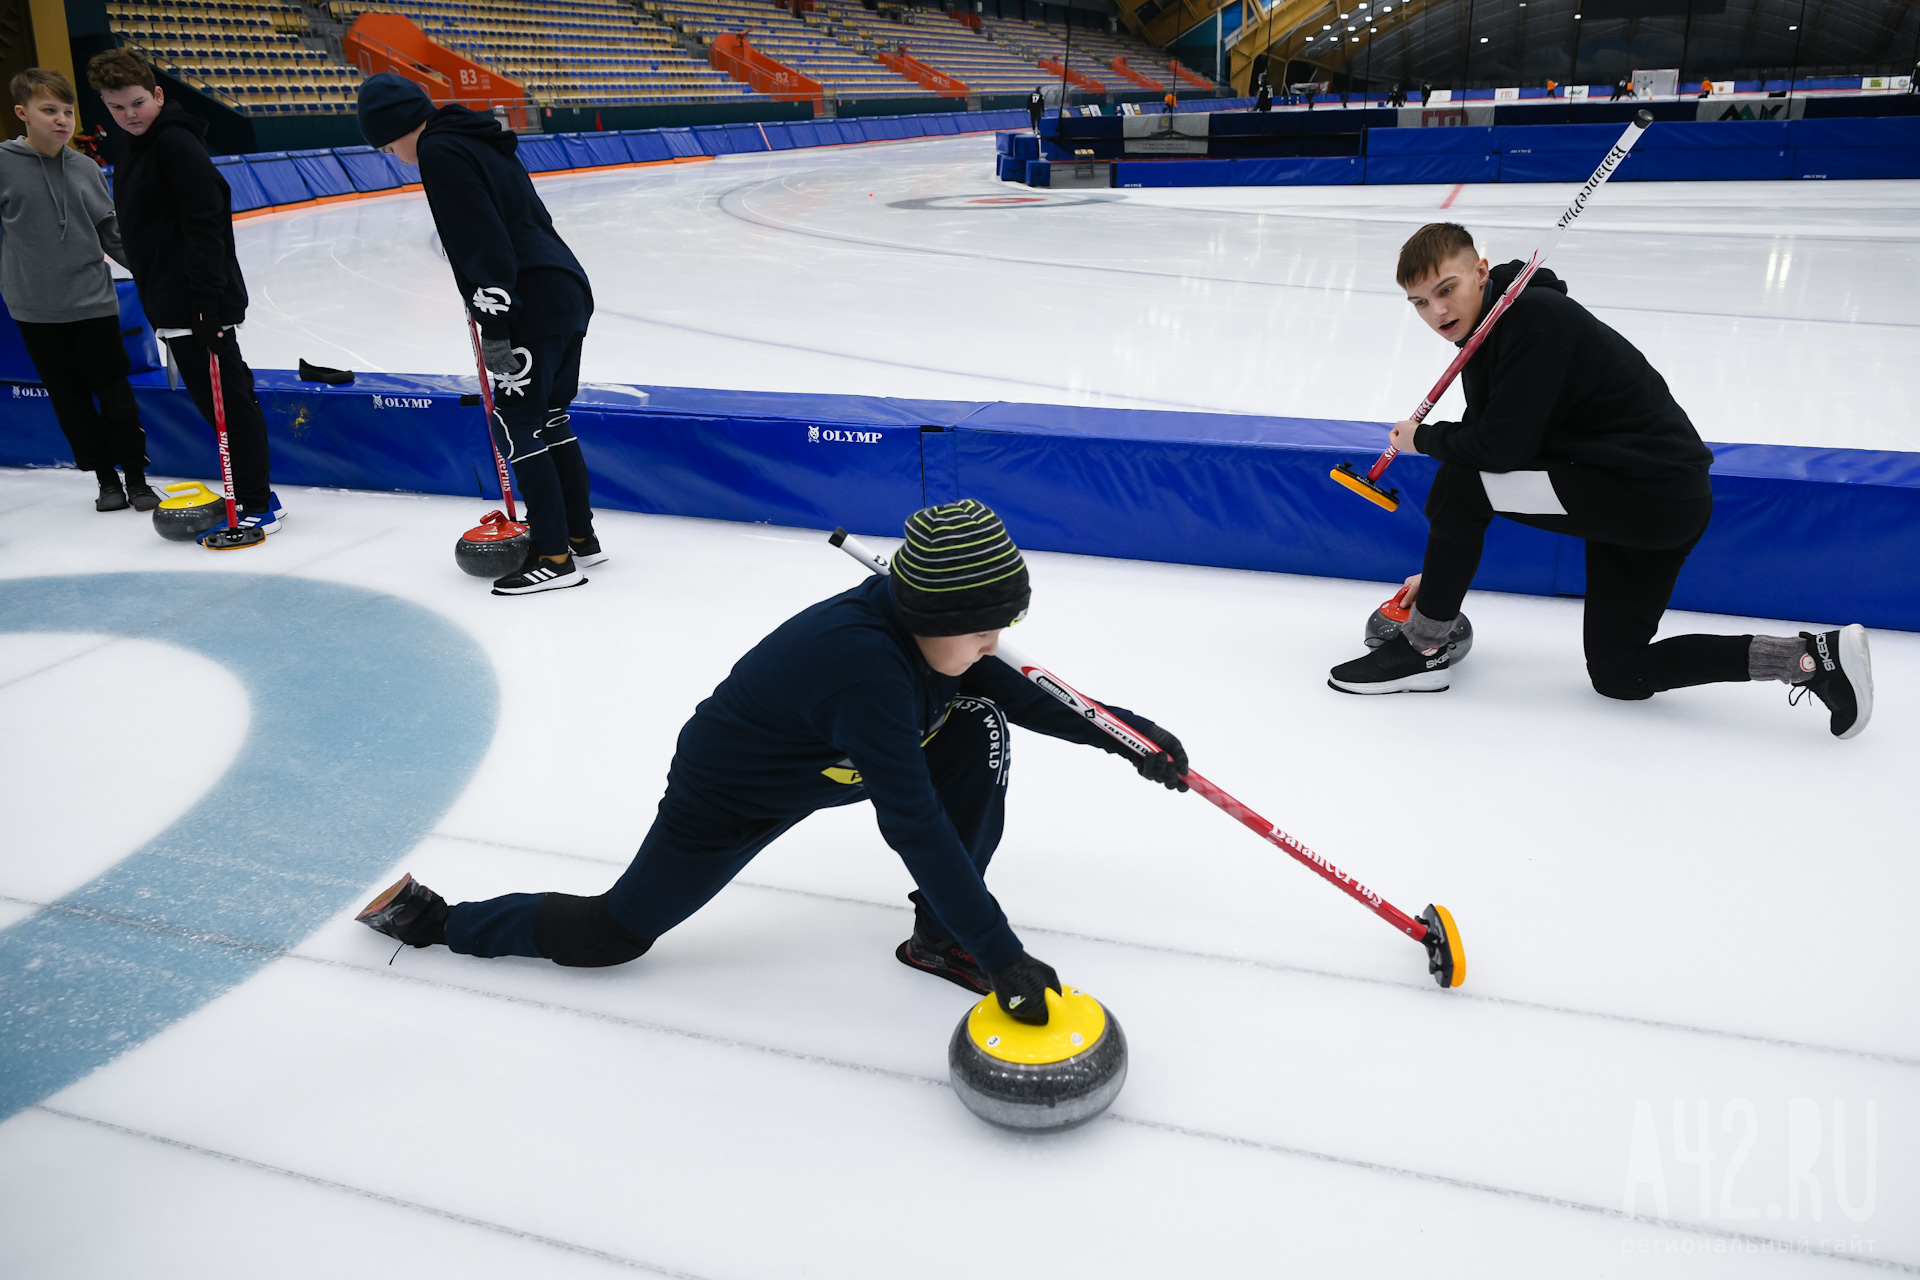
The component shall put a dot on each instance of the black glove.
(1022, 989)
(1169, 768)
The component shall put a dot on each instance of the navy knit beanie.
(391, 107)
(959, 572)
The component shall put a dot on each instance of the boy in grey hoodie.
(58, 222)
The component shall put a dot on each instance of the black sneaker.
(1394, 667)
(141, 494)
(587, 551)
(409, 913)
(941, 957)
(112, 496)
(1841, 676)
(540, 574)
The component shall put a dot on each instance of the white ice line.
(1276, 966)
(367, 1193)
(383, 973)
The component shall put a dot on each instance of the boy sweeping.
(1569, 429)
(176, 216)
(888, 692)
(530, 297)
(59, 225)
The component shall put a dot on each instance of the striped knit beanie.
(959, 572)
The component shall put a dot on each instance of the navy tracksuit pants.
(533, 431)
(695, 847)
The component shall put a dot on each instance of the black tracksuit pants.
(1636, 545)
(532, 431)
(80, 362)
(246, 425)
(695, 847)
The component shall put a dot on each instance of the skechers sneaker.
(1395, 667)
(1839, 672)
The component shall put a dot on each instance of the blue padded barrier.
(745, 138)
(1272, 171)
(278, 177)
(1856, 131)
(322, 172)
(1857, 162)
(606, 148)
(1745, 164)
(246, 190)
(1593, 139)
(1038, 173)
(779, 136)
(1549, 166)
(1007, 169)
(543, 154)
(371, 170)
(1719, 135)
(579, 151)
(1473, 141)
(1809, 535)
(712, 139)
(645, 146)
(680, 142)
(1450, 167)
(946, 126)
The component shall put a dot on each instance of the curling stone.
(1386, 621)
(1039, 1079)
(188, 510)
(493, 548)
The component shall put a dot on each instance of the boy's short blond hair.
(39, 80)
(1430, 246)
(120, 69)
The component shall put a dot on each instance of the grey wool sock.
(1776, 658)
(1424, 633)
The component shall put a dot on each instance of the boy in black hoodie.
(1569, 429)
(176, 218)
(887, 692)
(530, 297)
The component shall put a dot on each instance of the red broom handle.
(486, 399)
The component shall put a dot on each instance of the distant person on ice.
(1036, 107)
(176, 219)
(59, 222)
(1569, 429)
(886, 692)
(530, 296)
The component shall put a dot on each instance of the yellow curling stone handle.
(1075, 1023)
(189, 493)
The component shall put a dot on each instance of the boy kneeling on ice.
(887, 692)
(1569, 429)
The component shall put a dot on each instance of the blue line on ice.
(369, 715)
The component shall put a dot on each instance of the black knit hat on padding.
(959, 572)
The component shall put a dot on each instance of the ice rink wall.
(1807, 534)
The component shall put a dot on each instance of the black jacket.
(176, 219)
(833, 708)
(1553, 384)
(515, 273)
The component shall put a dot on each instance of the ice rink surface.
(1686, 1045)
(1780, 312)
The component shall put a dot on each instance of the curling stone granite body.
(1381, 628)
(492, 549)
(1039, 1079)
(188, 510)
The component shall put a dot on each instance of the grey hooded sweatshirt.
(56, 220)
